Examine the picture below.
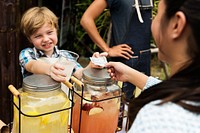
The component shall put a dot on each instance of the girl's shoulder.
(168, 117)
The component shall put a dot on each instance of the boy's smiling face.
(45, 39)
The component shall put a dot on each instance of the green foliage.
(155, 9)
(83, 43)
(154, 12)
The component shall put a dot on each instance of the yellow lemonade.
(50, 123)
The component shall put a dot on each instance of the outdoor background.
(71, 37)
(84, 46)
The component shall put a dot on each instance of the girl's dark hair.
(185, 84)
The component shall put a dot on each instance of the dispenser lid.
(40, 82)
(96, 75)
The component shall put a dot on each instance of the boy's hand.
(98, 60)
(57, 72)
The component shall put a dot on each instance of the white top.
(165, 118)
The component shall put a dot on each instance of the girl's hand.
(118, 71)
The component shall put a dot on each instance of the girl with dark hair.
(172, 105)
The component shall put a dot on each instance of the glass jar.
(39, 95)
(97, 103)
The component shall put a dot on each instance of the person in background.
(130, 39)
(172, 105)
(130, 36)
(40, 26)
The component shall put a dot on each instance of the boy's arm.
(38, 67)
(79, 73)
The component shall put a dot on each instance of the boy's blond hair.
(35, 17)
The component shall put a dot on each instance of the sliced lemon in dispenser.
(64, 115)
(45, 119)
(28, 110)
(24, 94)
(15, 99)
(32, 113)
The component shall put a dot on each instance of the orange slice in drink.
(95, 110)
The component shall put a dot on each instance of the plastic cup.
(69, 63)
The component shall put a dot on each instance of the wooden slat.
(10, 45)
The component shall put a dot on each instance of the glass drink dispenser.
(43, 107)
(97, 103)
